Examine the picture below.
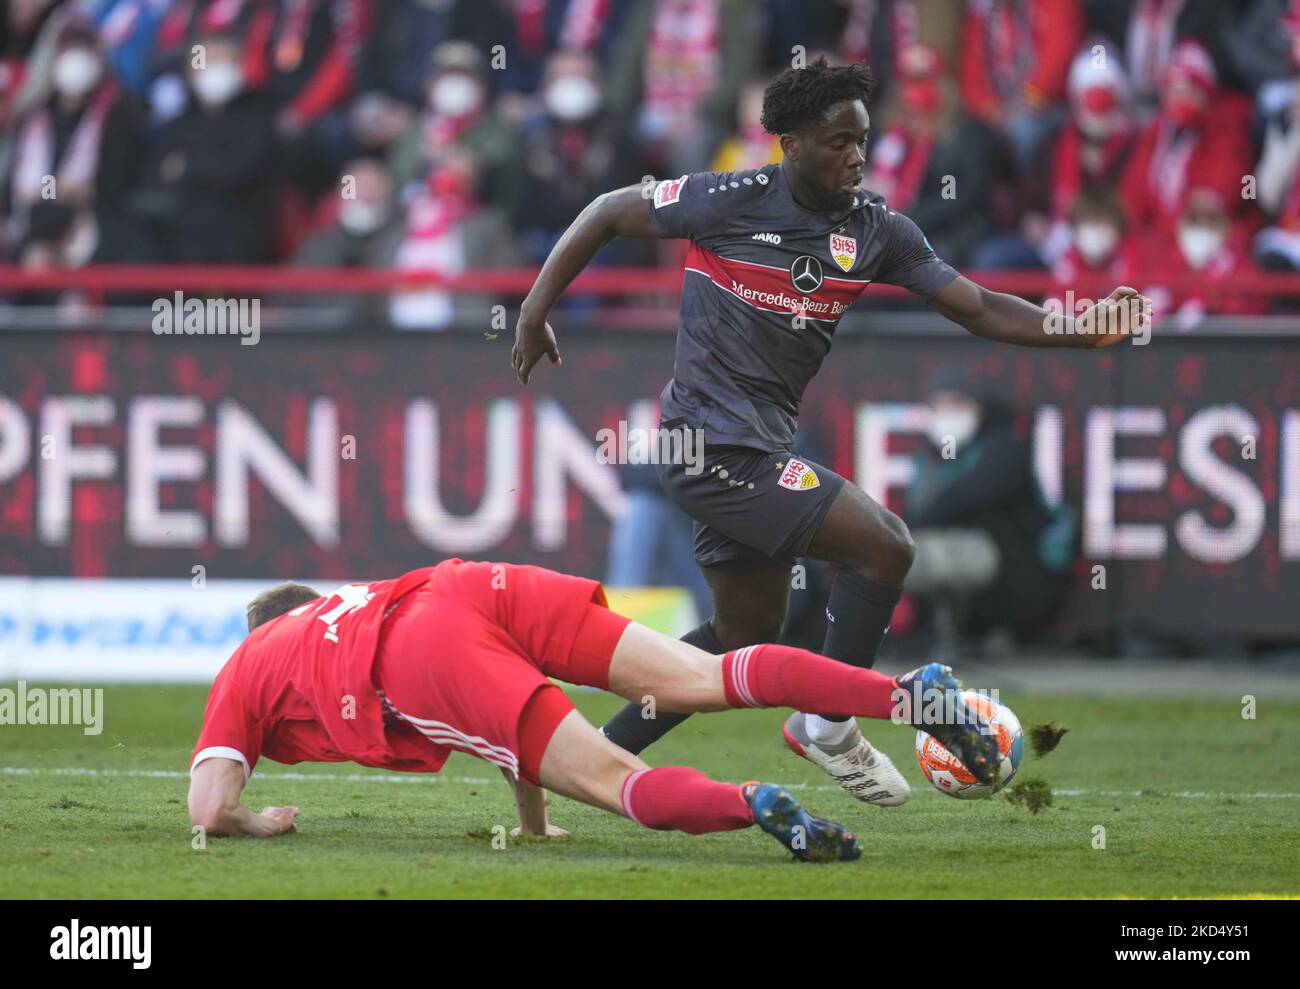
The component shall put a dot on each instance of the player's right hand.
(532, 340)
(279, 820)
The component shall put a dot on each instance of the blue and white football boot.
(808, 837)
(930, 698)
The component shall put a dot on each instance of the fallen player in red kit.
(398, 673)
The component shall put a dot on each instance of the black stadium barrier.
(365, 454)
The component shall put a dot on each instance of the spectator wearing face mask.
(1192, 269)
(391, 75)
(364, 232)
(205, 196)
(990, 552)
(1200, 138)
(450, 230)
(1149, 32)
(572, 152)
(1100, 251)
(1089, 153)
(73, 155)
(1095, 142)
(933, 162)
(458, 114)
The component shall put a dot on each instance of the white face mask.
(572, 98)
(455, 95)
(217, 84)
(1200, 244)
(956, 426)
(359, 218)
(1096, 241)
(76, 72)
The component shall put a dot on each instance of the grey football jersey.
(757, 260)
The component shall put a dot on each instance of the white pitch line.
(483, 780)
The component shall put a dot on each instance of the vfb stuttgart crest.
(798, 476)
(844, 250)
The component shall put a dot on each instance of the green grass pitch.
(1194, 800)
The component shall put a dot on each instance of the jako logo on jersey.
(669, 191)
(806, 273)
(844, 250)
(770, 238)
(798, 476)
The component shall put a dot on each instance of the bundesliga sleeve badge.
(844, 250)
(798, 476)
(668, 192)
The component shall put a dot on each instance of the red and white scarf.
(1167, 174)
(1151, 36)
(583, 23)
(899, 164)
(34, 155)
(683, 59)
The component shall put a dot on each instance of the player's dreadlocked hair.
(802, 96)
(275, 602)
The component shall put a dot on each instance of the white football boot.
(862, 771)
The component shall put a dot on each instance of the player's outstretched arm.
(215, 785)
(531, 803)
(621, 213)
(1010, 319)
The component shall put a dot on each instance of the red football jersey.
(299, 688)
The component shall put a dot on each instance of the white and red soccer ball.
(946, 772)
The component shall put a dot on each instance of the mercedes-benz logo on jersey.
(806, 273)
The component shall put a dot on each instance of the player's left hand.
(532, 340)
(552, 831)
(1124, 313)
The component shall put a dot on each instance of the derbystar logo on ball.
(798, 476)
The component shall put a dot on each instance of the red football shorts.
(465, 659)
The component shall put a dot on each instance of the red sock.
(678, 798)
(783, 676)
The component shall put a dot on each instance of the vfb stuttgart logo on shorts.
(798, 476)
(844, 250)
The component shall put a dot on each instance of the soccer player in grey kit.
(777, 255)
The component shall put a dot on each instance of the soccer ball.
(946, 772)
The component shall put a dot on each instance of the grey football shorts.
(750, 506)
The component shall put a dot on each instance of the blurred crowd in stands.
(1130, 141)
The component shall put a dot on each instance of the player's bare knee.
(902, 548)
(887, 555)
